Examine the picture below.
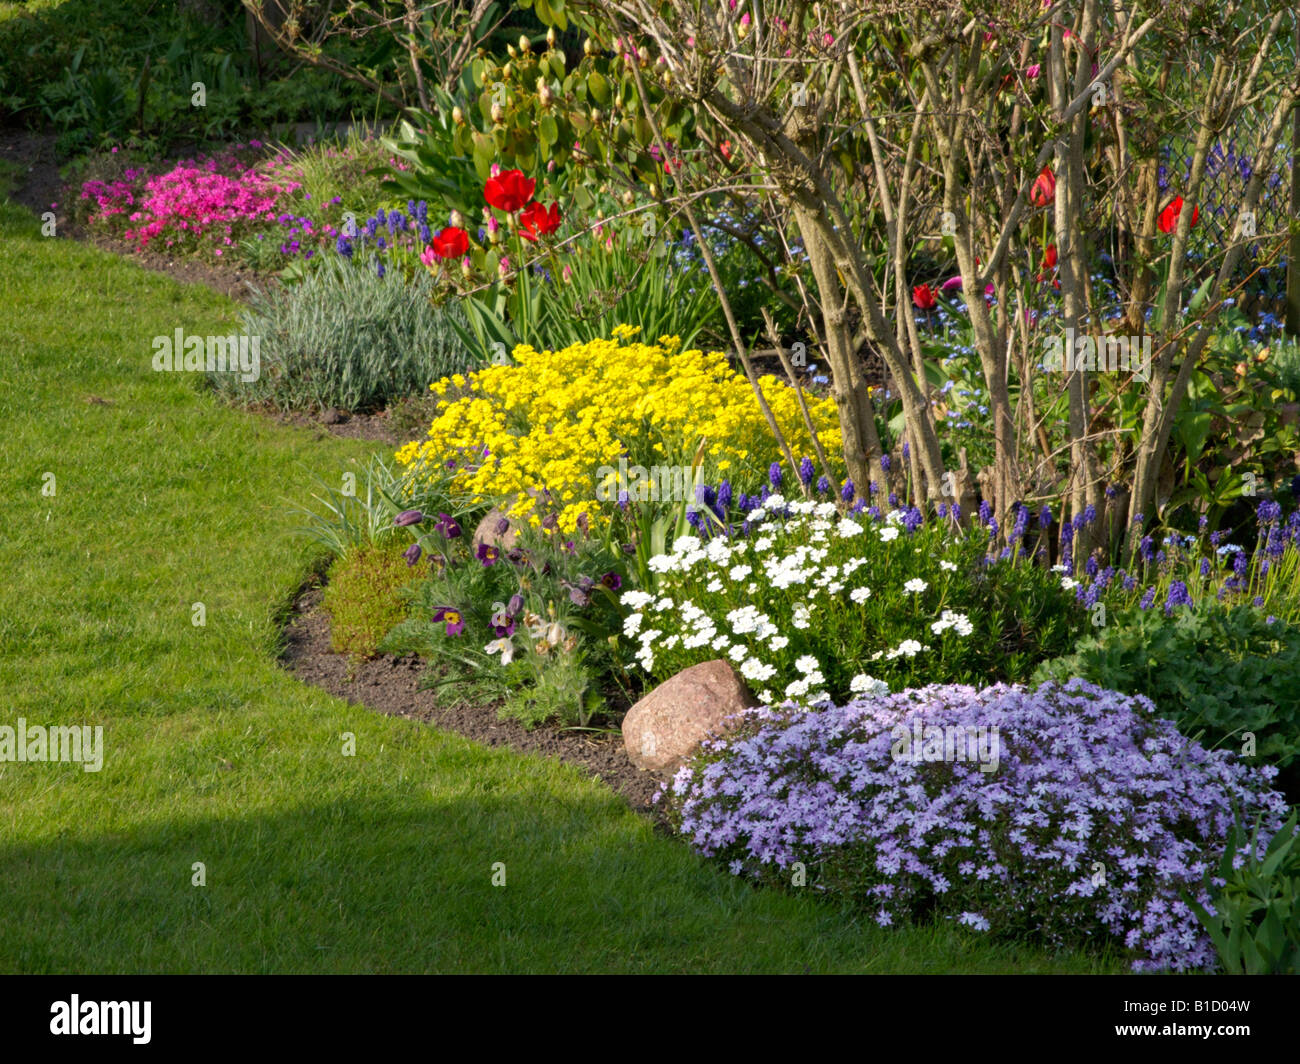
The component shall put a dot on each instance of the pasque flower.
(452, 617)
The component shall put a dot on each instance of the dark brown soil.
(375, 426)
(388, 684)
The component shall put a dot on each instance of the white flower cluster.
(958, 622)
(788, 557)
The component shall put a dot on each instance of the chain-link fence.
(1230, 167)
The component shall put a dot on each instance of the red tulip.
(923, 297)
(451, 243)
(1049, 257)
(1044, 188)
(1169, 216)
(537, 220)
(509, 190)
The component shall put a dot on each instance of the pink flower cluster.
(194, 198)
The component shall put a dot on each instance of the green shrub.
(345, 337)
(1218, 670)
(362, 598)
(1256, 925)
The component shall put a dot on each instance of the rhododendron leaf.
(598, 87)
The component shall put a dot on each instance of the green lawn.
(315, 862)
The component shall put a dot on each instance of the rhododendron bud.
(498, 113)
(643, 54)
(510, 50)
(456, 220)
(589, 47)
(466, 267)
(458, 116)
(525, 45)
(503, 267)
(550, 37)
(544, 93)
(595, 121)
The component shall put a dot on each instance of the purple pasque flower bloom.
(487, 554)
(412, 554)
(408, 517)
(447, 526)
(453, 618)
(612, 581)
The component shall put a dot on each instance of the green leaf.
(547, 130)
(598, 87)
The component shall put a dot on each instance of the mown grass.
(315, 861)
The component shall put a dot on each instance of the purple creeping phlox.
(1098, 817)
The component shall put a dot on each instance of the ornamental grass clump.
(1069, 815)
(552, 420)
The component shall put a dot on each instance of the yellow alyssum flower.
(550, 421)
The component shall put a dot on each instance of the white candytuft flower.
(864, 684)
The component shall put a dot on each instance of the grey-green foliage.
(345, 337)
